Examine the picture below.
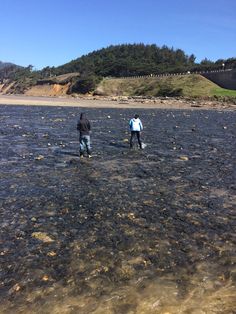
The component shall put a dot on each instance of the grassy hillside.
(218, 91)
(187, 85)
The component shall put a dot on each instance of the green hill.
(101, 72)
(137, 59)
(193, 85)
(129, 60)
(5, 64)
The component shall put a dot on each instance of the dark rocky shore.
(149, 231)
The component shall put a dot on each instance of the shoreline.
(115, 102)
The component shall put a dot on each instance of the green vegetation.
(137, 59)
(24, 78)
(5, 65)
(127, 60)
(84, 85)
(193, 85)
(218, 91)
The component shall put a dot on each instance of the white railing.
(167, 74)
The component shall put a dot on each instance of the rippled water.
(149, 231)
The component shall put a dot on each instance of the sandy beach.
(115, 102)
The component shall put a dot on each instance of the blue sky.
(53, 32)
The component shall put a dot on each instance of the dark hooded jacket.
(83, 125)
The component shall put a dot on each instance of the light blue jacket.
(135, 125)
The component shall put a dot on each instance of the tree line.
(122, 60)
(138, 59)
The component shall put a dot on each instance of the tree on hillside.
(128, 60)
(135, 60)
(230, 63)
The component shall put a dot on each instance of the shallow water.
(149, 231)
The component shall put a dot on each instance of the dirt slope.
(48, 90)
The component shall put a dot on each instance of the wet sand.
(115, 102)
(141, 232)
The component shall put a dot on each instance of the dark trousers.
(137, 133)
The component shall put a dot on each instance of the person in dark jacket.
(84, 128)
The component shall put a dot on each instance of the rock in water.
(42, 236)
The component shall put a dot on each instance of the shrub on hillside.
(84, 85)
(167, 91)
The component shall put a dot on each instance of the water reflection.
(125, 232)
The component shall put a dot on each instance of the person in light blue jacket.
(136, 127)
